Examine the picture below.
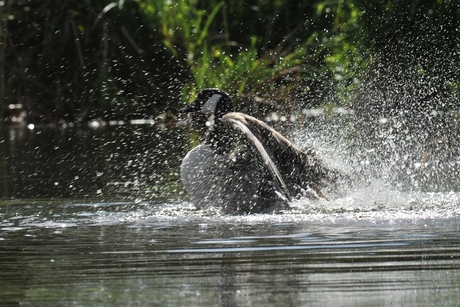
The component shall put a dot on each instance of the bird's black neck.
(220, 138)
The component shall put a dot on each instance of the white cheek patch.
(210, 105)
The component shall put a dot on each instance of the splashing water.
(397, 168)
(394, 172)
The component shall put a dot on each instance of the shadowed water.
(99, 218)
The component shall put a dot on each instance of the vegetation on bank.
(80, 60)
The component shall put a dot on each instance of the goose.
(244, 166)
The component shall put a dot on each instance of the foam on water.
(376, 202)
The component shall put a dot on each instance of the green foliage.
(245, 71)
(182, 23)
(202, 38)
(118, 59)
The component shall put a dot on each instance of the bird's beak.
(189, 110)
(193, 107)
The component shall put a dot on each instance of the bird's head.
(210, 101)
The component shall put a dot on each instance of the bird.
(244, 166)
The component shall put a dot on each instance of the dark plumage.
(244, 165)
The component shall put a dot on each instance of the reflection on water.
(98, 218)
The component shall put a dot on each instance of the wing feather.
(240, 124)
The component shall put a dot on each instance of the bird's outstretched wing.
(239, 122)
